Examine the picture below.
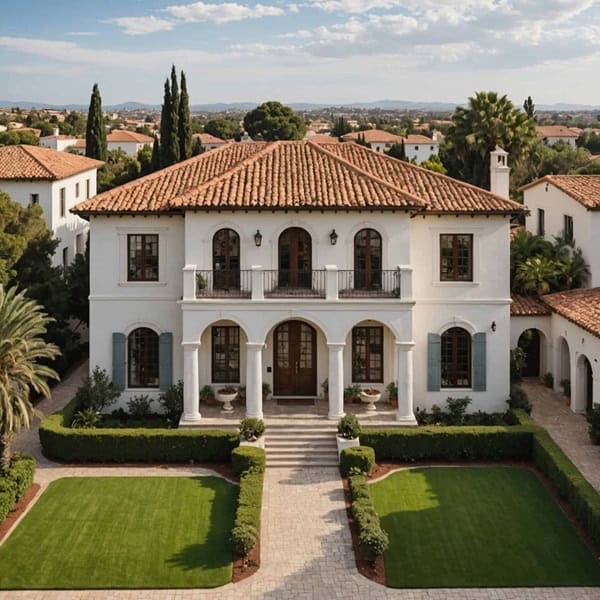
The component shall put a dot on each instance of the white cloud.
(221, 13)
(293, 8)
(302, 34)
(354, 6)
(142, 25)
(82, 33)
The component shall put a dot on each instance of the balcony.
(324, 284)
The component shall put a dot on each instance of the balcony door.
(295, 258)
(226, 260)
(295, 359)
(367, 260)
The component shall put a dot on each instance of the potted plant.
(325, 388)
(352, 393)
(369, 397)
(392, 390)
(348, 432)
(226, 395)
(252, 432)
(207, 394)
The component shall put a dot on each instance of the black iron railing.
(288, 283)
(223, 284)
(358, 283)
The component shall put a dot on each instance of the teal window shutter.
(165, 358)
(434, 362)
(119, 342)
(479, 362)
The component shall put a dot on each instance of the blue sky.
(309, 50)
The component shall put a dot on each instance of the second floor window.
(34, 199)
(77, 190)
(541, 222)
(87, 188)
(63, 202)
(568, 228)
(456, 257)
(142, 257)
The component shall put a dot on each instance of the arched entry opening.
(295, 258)
(531, 342)
(294, 359)
(367, 260)
(585, 384)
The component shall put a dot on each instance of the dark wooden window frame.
(143, 369)
(63, 201)
(233, 374)
(453, 274)
(541, 224)
(457, 368)
(568, 228)
(368, 379)
(140, 262)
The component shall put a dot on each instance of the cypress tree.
(174, 115)
(166, 130)
(185, 131)
(95, 134)
(155, 160)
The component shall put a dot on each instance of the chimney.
(499, 172)
(56, 131)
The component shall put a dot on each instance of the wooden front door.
(589, 385)
(530, 343)
(295, 258)
(295, 358)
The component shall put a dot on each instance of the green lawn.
(123, 532)
(478, 526)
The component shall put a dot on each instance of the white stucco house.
(59, 142)
(420, 148)
(551, 134)
(56, 181)
(129, 142)
(208, 141)
(291, 263)
(567, 205)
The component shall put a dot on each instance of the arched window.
(456, 358)
(295, 258)
(226, 259)
(367, 259)
(142, 358)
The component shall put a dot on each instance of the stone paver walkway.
(569, 430)
(306, 545)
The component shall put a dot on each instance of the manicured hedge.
(15, 485)
(359, 458)
(449, 443)
(60, 441)
(246, 530)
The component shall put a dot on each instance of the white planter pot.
(259, 443)
(226, 400)
(343, 443)
(370, 400)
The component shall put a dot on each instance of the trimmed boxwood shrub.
(357, 459)
(247, 458)
(60, 441)
(449, 443)
(15, 485)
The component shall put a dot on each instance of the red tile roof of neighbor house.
(297, 175)
(373, 136)
(419, 139)
(581, 306)
(207, 138)
(36, 162)
(56, 137)
(583, 188)
(545, 131)
(124, 135)
(323, 138)
(528, 306)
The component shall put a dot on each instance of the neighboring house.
(208, 141)
(420, 148)
(129, 142)
(550, 134)
(378, 139)
(292, 263)
(56, 181)
(567, 205)
(321, 138)
(560, 334)
(57, 141)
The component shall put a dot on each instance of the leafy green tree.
(77, 280)
(144, 157)
(590, 141)
(434, 164)
(529, 108)
(488, 121)
(22, 352)
(119, 169)
(273, 121)
(185, 131)
(197, 147)
(397, 150)
(537, 276)
(155, 159)
(74, 124)
(526, 245)
(224, 128)
(340, 127)
(144, 129)
(169, 143)
(95, 135)
(15, 136)
(574, 272)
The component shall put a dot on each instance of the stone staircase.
(301, 444)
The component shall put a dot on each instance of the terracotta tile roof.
(373, 136)
(124, 135)
(545, 131)
(80, 144)
(323, 138)
(583, 188)
(56, 137)
(36, 162)
(419, 139)
(528, 306)
(207, 138)
(296, 175)
(581, 307)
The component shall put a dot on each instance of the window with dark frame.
(367, 354)
(568, 228)
(541, 221)
(456, 358)
(226, 354)
(87, 188)
(456, 257)
(142, 358)
(34, 199)
(142, 257)
(77, 190)
(63, 202)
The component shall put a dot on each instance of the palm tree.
(573, 270)
(22, 350)
(537, 276)
(526, 245)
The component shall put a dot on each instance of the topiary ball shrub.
(244, 538)
(248, 458)
(348, 427)
(358, 459)
(252, 428)
(373, 542)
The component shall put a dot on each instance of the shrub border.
(14, 486)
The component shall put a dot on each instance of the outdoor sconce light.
(258, 238)
(493, 325)
(333, 236)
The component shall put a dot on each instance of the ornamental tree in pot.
(252, 432)
(348, 433)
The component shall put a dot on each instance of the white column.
(191, 387)
(405, 412)
(258, 284)
(189, 282)
(406, 283)
(331, 282)
(254, 406)
(336, 380)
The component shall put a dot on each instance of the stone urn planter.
(343, 443)
(226, 396)
(370, 397)
(348, 432)
(252, 432)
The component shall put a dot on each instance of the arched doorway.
(226, 260)
(295, 359)
(530, 342)
(585, 384)
(295, 258)
(367, 260)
